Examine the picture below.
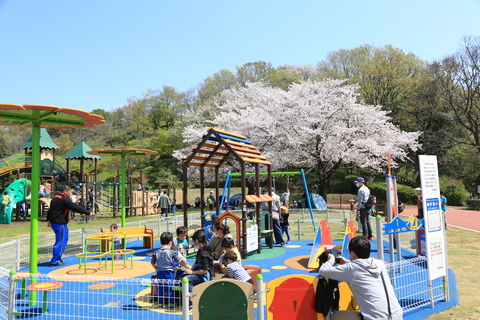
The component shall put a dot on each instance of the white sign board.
(252, 238)
(434, 228)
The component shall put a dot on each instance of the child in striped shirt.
(234, 269)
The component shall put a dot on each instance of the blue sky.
(90, 54)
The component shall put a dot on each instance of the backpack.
(370, 202)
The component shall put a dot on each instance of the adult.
(368, 280)
(285, 198)
(211, 201)
(202, 270)
(164, 203)
(91, 198)
(157, 207)
(362, 197)
(220, 232)
(419, 203)
(58, 217)
(73, 197)
(277, 229)
(21, 210)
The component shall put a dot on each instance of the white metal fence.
(87, 297)
(15, 254)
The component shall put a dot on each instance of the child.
(228, 244)
(41, 190)
(5, 201)
(234, 269)
(182, 242)
(443, 200)
(163, 262)
(284, 223)
(117, 242)
(174, 206)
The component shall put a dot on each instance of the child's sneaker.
(115, 257)
(160, 305)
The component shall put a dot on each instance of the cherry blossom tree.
(315, 125)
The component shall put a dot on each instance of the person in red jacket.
(58, 217)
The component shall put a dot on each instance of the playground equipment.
(37, 117)
(14, 163)
(292, 297)
(79, 152)
(110, 237)
(19, 190)
(211, 152)
(323, 238)
(45, 287)
(122, 153)
(228, 183)
(237, 304)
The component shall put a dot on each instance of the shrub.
(473, 204)
(340, 187)
(405, 194)
(456, 196)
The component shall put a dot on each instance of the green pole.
(266, 173)
(34, 205)
(122, 186)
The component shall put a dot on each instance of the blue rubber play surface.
(277, 262)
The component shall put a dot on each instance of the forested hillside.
(339, 117)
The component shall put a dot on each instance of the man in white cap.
(362, 197)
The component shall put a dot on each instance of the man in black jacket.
(57, 218)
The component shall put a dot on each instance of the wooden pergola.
(211, 152)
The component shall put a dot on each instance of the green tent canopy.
(46, 141)
(80, 152)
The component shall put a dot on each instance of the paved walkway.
(456, 217)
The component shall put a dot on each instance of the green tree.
(283, 77)
(386, 75)
(253, 72)
(165, 107)
(460, 85)
(215, 84)
(64, 144)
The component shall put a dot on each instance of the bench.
(130, 232)
(266, 231)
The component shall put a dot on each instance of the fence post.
(298, 228)
(84, 241)
(260, 300)
(185, 299)
(19, 253)
(379, 231)
(159, 225)
(11, 295)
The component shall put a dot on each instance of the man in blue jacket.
(58, 217)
